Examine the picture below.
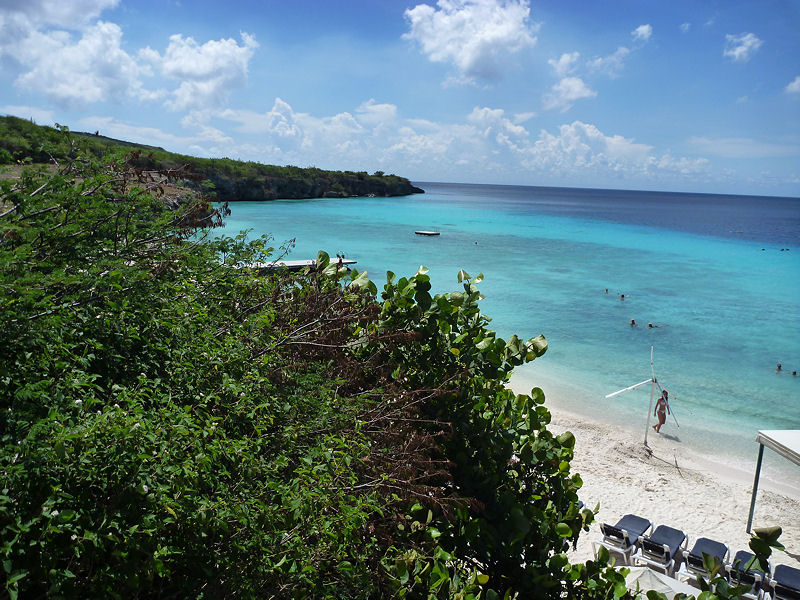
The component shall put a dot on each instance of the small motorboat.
(427, 232)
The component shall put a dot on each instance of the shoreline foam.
(675, 485)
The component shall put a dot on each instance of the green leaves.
(769, 535)
(762, 542)
(174, 426)
(566, 439)
(563, 530)
(361, 280)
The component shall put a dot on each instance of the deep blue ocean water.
(720, 273)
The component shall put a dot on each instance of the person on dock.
(661, 411)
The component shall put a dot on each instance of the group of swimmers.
(621, 296)
(633, 321)
(779, 369)
(649, 325)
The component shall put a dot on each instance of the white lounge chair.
(693, 559)
(623, 537)
(661, 548)
(785, 583)
(738, 574)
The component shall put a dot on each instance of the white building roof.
(785, 442)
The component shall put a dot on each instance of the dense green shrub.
(174, 425)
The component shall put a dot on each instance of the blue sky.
(634, 94)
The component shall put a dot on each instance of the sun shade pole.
(755, 487)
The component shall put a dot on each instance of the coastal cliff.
(237, 181)
(224, 179)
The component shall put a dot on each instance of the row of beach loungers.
(666, 549)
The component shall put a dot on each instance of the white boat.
(427, 232)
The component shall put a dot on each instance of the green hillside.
(229, 180)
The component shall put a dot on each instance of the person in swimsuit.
(661, 411)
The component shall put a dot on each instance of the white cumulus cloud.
(69, 15)
(566, 92)
(642, 33)
(492, 123)
(486, 142)
(301, 136)
(91, 69)
(476, 36)
(520, 118)
(279, 121)
(206, 72)
(612, 64)
(741, 47)
(565, 63)
(583, 147)
(372, 113)
(794, 86)
(60, 49)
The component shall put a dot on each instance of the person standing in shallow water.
(661, 411)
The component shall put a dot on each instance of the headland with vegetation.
(225, 179)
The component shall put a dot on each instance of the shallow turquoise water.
(692, 263)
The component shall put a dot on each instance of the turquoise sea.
(720, 273)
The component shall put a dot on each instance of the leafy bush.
(175, 425)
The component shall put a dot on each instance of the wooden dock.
(292, 265)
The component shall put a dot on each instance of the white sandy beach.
(673, 486)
